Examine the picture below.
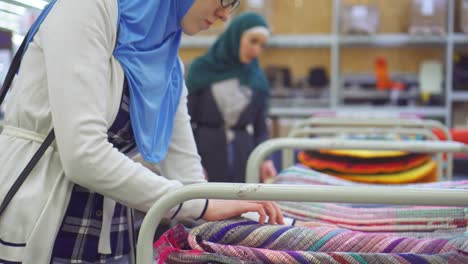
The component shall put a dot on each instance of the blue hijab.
(147, 48)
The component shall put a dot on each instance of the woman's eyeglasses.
(233, 4)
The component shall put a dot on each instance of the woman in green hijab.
(228, 94)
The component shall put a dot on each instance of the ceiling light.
(19, 10)
(5, 16)
(39, 4)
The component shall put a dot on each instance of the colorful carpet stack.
(382, 167)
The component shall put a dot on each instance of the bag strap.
(47, 142)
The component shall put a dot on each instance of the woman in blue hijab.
(104, 79)
(228, 100)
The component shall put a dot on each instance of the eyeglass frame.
(233, 3)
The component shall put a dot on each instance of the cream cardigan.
(70, 81)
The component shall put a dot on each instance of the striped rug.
(415, 221)
(241, 241)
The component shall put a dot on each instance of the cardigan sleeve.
(77, 43)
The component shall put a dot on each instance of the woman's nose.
(223, 13)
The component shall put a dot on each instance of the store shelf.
(376, 94)
(427, 111)
(460, 96)
(299, 102)
(197, 41)
(295, 112)
(276, 41)
(299, 93)
(326, 40)
(301, 111)
(391, 40)
(460, 38)
(301, 41)
(285, 104)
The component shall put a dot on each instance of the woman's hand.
(224, 209)
(268, 171)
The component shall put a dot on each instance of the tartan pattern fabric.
(240, 241)
(121, 134)
(78, 237)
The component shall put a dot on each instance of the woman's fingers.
(261, 211)
(221, 210)
(271, 211)
(279, 214)
(274, 213)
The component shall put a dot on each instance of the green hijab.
(221, 62)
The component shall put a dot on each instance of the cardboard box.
(463, 16)
(428, 17)
(359, 19)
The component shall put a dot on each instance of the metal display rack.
(335, 41)
(302, 193)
